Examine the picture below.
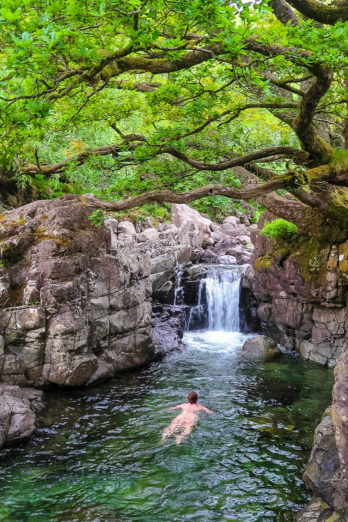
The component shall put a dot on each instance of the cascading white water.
(222, 294)
(179, 291)
(218, 297)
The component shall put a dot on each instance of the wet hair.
(192, 397)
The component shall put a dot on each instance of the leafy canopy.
(113, 96)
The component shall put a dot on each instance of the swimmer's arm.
(177, 407)
(205, 409)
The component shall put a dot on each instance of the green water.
(97, 455)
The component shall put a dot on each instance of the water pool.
(97, 455)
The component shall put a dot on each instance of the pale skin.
(182, 425)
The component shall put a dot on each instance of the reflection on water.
(98, 456)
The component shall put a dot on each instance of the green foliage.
(256, 216)
(53, 106)
(280, 229)
(48, 188)
(97, 218)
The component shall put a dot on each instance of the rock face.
(75, 299)
(321, 474)
(168, 324)
(327, 471)
(340, 421)
(260, 348)
(17, 417)
(301, 295)
(76, 293)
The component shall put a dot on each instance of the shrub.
(280, 229)
(97, 218)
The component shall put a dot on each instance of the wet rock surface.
(76, 298)
(318, 511)
(322, 471)
(168, 324)
(298, 296)
(340, 421)
(17, 413)
(260, 348)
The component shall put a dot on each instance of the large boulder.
(17, 413)
(194, 228)
(168, 324)
(340, 420)
(260, 348)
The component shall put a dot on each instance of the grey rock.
(320, 474)
(227, 260)
(167, 328)
(196, 255)
(305, 349)
(317, 511)
(127, 228)
(93, 294)
(149, 234)
(229, 229)
(260, 348)
(244, 240)
(232, 220)
(301, 310)
(209, 257)
(17, 413)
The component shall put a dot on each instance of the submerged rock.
(317, 511)
(260, 348)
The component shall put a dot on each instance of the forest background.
(224, 105)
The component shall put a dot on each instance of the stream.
(98, 456)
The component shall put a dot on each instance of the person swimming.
(182, 425)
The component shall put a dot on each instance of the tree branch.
(318, 148)
(167, 196)
(283, 12)
(325, 14)
(31, 168)
(235, 162)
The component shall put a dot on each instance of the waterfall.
(218, 300)
(179, 291)
(222, 293)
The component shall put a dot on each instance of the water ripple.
(97, 455)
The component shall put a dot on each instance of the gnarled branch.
(235, 162)
(283, 12)
(167, 196)
(325, 14)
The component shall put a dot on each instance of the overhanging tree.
(169, 82)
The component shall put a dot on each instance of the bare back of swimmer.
(182, 425)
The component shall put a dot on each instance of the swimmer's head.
(192, 397)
